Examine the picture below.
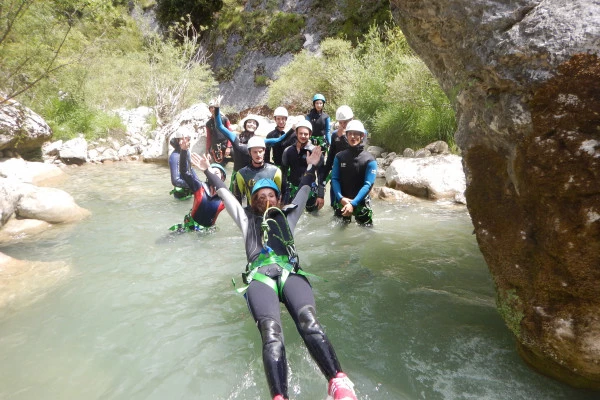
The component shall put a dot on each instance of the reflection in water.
(150, 314)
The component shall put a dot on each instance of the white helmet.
(280, 112)
(304, 123)
(356, 126)
(256, 141)
(211, 103)
(250, 117)
(344, 113)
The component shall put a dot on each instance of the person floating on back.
(273, 275)
(352, 176)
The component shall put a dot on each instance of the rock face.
(525, 80)
(21, 129)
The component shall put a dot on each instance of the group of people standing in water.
(280, 177)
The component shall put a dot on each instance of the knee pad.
(307, 321)
(270, 332)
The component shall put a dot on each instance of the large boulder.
(21, 129)
(434, 178)
(524, 77)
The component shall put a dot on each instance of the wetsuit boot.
(274, 359)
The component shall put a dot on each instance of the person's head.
(218, 169)
(355, 132)
(303, 132)
(318, 101)
(256, 149)
(180, 137)
(343, 115)
(250, 123)
(281, 116)
(211, 107)
(265, 194)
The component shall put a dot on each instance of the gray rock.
(74, 151)
(22, 129)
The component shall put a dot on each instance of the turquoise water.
(148, 314)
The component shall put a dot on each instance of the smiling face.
(258, 156)
(319, 105)
(354, 137)
(264, 198)
(303, 135)
(250, 125)
(280, 122)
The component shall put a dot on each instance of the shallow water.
(149, 314)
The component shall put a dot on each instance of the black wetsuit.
(279, 148)
(338, 144)
(296, 294)
(321, 132)
(293, 166)
(353, 174)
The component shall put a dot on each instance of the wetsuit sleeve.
(322, 176)
(330, 156)
(284, 174)
(370, 176)
(208, 139)
(270, 142)
(232, 205)
(335, 179)
(187, 173)
(328, 130)
(241, 185)
(174, 166)
(301, 198)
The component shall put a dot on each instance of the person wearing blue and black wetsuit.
(181, 190)
(207, 205)
(352, 177)
(273, 275)
(320, 121)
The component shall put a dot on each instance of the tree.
(32, 37)
(200, 11)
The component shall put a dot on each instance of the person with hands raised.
(273, 275)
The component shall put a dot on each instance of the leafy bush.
(389, 89)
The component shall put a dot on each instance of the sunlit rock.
(524, 78)
(21, 129)
(434, 178)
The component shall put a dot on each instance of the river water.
(149, 314)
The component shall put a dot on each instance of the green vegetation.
(73, 61)
(510, 308)
(388, 87)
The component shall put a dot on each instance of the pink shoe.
(278, 397)
(341, 388)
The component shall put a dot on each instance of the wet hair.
(254, 201)
(175, 143)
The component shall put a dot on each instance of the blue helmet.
(220, 167)
(265, 183)
(318, 96)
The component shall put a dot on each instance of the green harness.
(288, 263)
(181, 193)
(189, 225)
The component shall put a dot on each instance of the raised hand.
(218, 100)
(315, 156)
(200, 161)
